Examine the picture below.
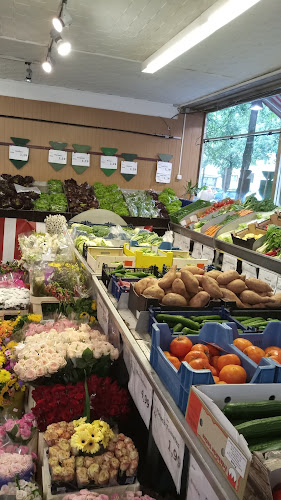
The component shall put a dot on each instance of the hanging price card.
(208, 253)
(168, 441)
(129, 167)
(249, 270)
(269, 277)
(18, 153)
(109, 162)
(197, 250)
(141, 391)
(228, 262)
(199, 487)
(56, 156)
(164, 171)
(102, 314)
(81, 159)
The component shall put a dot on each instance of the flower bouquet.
(21, 490)
(92, 495)
(11, 388)
(15, 464)
(22, 430)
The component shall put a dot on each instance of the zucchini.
(215, 321)
(254, 410)
(188, 331)
(267, 445)
(260, 428)
(174, 319)
(178, 328)
(199, 319)
(241, 318)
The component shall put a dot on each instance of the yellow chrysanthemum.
(2, 359)
(80, 439)
(91, 447)
(36, 318)
(84, 427)
(80, 421)
(11, 345)
(97, 436)
(5, 376)
(94, 305)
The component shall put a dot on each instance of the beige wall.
(41, 133)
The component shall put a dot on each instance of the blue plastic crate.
(184, 202)
(117, 290)
(178, 382)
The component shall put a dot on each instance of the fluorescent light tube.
(214, 18)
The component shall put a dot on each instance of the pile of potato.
(194, 287)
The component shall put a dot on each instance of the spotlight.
(63, 20)
(48, 64)
(28, 77)
(63, 47)
(256, 105)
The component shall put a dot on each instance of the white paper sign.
(168, 441)
(249, 270)
(208, 253)
(141, 391)
(18, 153)
(129, 167)
(23, 189)
(164, 171)
(197, 250)
(228, 262)
(181, 241)
(234, 455)
(102, 314)
(108, 162)
(268, 277)
(81, 159)
(199, 487)
(278, 286)
(56, 156)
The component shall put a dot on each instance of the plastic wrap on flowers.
(19, 431)
(38, 247)
(13, 293)
(21, 490)
(91, 495)
(15, 464)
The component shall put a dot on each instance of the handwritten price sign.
(56, 156)
(18, 153)
(141, 391)
(81, 159)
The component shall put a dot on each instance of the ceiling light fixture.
(48, 64)
(256, 105)
(28, 77)
(64, 19)
(63, 47)
(214, 18)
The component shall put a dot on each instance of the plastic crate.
(117, 290)
(143, 260)
(107, 273)
(178, 382)
(184, 202)
(253, 313)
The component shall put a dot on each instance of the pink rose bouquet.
(14, 464)
(20, 431)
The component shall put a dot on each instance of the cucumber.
(188, 331)
(267, 445)
(178, 328)
(174, 319)
(254, 410)
(214, 321)
(199, 319)
(261, 427)
(241, 318)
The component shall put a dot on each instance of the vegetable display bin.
(178, 382)
(97, 256)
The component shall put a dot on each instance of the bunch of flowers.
(9, 382)
(15, 464)
(12, 267)
(6, 329)
(21, 490)
(14, 297)
(90, 438)
(60, 325)
(92, 495)
(52, 247)
(21, 430)
(66, 402)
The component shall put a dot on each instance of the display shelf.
(30, 215)
(12, 312)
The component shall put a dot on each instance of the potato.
(179, 288)
(211, 287)
(168, 278)
(141, 285)
(174, 299)
(200, 289)
(227, 277)
(265, 294)
(199, 278)
(154, 291)
(242, 277)
(201, 299)
(236, 286)
(213, 274)
(178, 274)
(193, 269)
(258, 286)
(191, 283)
(251, 297)
(275, 301)
(259, 306)
(230, 296)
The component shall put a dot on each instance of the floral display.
(92, 495)
(47, 353)
(60, 325)
(6, 329)
(66, 402)
(52, 246)
(56, 224)
(14, 297)
(21, 490)
(9, 382)
(21, 430)
(15, 464)
(90, 438)
(12, 267)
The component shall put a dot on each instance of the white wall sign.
(228, 262)
(102, 314)
(199, 487)
(208, 253)
(56, 156)
(129, 167)
(268, 277)
(168, 441)
(81, 159)
(164, 171)
(249, 270)
(197, 250)
(18, 153)
(141, 391)
(109, 162)
(278, 286)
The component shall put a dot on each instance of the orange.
(274, 354)
(213, 350)
(175, 361)
(233, 374)
(180, 346)
(195, 355)
(221, 382)
(242, 343)
(167, 354)
(272, 347)
(228, 359)
(199, 364)
(201, 347)
(214, 361)
(214, 370)
(216, 379)
(255, 353)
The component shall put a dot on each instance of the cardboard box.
(228, 448)
(97, 256)
(251, 243)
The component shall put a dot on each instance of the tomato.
(195, 355)
(276, 358)
(201, 347)
(233, 374)
(272, 347)
(274, 354)
(214, 361)
(175, 361)
(180, 346)
(228, 359)
(199, 364)
(167, 354)
(242, 343)
(213, 350)
(214, 371)
(216, 379)
(254, 353)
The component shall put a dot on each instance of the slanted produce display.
(110, 198)
(80, 197)
(141, 204)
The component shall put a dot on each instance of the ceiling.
(111, 38)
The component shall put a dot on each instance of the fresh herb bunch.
(252, 203)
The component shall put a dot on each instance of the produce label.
(108, 164)
(270, 278)
(18, 153)
(163, 172)
(197, 250)
(168, 441)
(141, 391)
(129, 169)
(249, 270)
(199, 487)
(228, 262)
(208, 253)
(102, 314)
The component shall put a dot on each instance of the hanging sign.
(19, 154)
(208, 253)
(141, 391)
(197, 250)
(164, 171)
(249, 270)
(199, 487)
(269, 277)
(58, 157)
(129, 169)
(228, 262)
(108, 164)
(168, 441)
(80, 159)
(102, 314)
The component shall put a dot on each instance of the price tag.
(102, 314)
(56, 156)
(199, 487)
(168, 441)
(268, 277)
(164, 171)
(229, 262)
(141, 391)
(197, 250)
(18, 153)
(109, 162)
(208, 253)
(129, 167)
(249, 270)
(81, 159)
(181, 241)
(236, 458)
(278, 286)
